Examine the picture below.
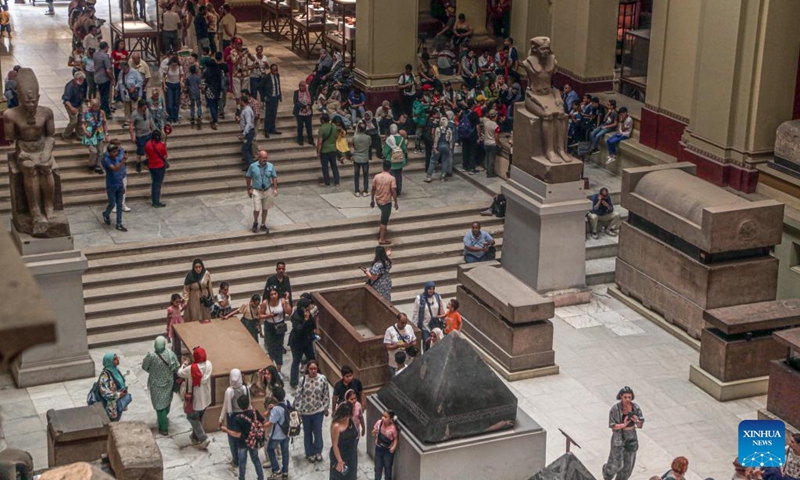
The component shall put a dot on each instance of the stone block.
(529, 156)
(512, 299)
(787, 143)
(707, 285)
(725, 391)
(133, 452)
(755, 317)
(737, 357)
(512, 364)
(76, 435)
(352, 322)
(707, 217)
(783, 395)
(76, 471)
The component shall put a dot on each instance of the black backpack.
(499, 206)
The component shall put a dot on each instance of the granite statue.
(36, 198)
(16, 464)
(545, 102)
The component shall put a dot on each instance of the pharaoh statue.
(31, 127)
(545, 102)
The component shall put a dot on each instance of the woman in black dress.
(344, 444)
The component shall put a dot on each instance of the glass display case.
(633, 68)
(308, 25)
(275, 18)
(137, 23)
(343, 37)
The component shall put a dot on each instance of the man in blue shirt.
(570, 96)
(603, 213)
(262, 187)
(114, 164)
(277, 438)
(478, 245)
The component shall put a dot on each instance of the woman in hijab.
(395, 150)
(442, 149)
(198, 375)
(161, 367)
(112, 388)
(372, 129)
(196, 286)
(230, 408)
(429, 311)
(301, 339)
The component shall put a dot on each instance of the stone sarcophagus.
(352, 322)
(783, 396)
(689, 246)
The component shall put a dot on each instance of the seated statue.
(545, 102)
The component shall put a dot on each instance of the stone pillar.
(475, 11)
(530, 18)
(743, 86)
(386, 40)
(57, 268)
(584, 35)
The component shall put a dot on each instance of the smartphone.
(363, 269)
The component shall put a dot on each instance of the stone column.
(743, 85)
(386, 40)
(530, 18)
(584, 35)
(475, 11)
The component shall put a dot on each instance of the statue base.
(58, 269)
(57, 226)
(529, 155)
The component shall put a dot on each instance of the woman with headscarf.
(385, 117)
(379, 274)
(112, 388)
(198, 376)
(303, 112)
(396, 151)
(428, 312)
(230, 408)
(161, 366)
(301, 339)
(372, 129)
(197, 286)
(323, 67)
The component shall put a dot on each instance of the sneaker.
(285, 476)
(213, 126)
(594, 151)
(114, 210)
(126, 125)
(311, 458)
(121, 228)
(275, 476)
(594, 235)
(138, 167)
(473, 172)
(318, 457)
(264, 228)
(126, 208)
(365, 194)
(255, 227)
(427, 180)
(611, 234)
(205, 443)
(99, 170)
(356, 194)
(611, 160)
(106, 218)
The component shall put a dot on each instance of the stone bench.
(76, 435)
(133, 452)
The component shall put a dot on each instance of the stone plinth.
(520, 450)
(133, 452)
(58, 272)
(783, 397)
(544, 235)
(352, 322)
(20, 211)
(529, 156)
(76, 435)
(787, 149)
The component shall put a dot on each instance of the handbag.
(280, 327)
(205, 300)
(176, 380)
(188, 399)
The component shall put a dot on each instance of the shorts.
(140, 143)
(386, 211)
(263, 199)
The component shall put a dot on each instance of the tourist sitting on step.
(603, 215)
(478, 245)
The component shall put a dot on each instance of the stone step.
(603, 247)
(600, 271)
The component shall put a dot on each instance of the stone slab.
(528, 153)
(30, 245)
(513, 364)
(570, 296)
(725, 391)
(436, 398)
(755, 317)
(508, 375)
(133, 452)
(565, 467)
(547, 192)
(783, 396)
(716, 285)
(512, 299)
(76, 435)
(515, 339)
(525, 446)
(787, 142)
(789, 338)
(740, 357)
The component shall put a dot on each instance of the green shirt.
(327, 133)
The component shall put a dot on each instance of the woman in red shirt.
(118, 55)
(156, 152)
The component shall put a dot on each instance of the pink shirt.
(388, 431)
(357, 411)
(174, 317)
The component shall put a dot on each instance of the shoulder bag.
(155, 149)
(280, 327)
(176, 380)
(372, 282)
(411, 350)
(188, 398)
(205, 300)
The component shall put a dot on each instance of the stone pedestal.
(544, 235)
(783, 396)
(520, 450)
(76, 435)
(57, 268)
(133, 452)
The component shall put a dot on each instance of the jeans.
(468, 150)
(428, 152)
(122, 404)
(384, 459)
(446, 157)
(213, 109)
(255, 88)
(196, 421)
(326, 160)
(312, 433)
(273, 459)
(163, 419)
(597, 134)
(298, 350)
(212, 41)
(173, 101)
(233, 444)
(304, 122)
(274, 343)
(491, 154)
(612, 142)
(242, 454)
(375, 145)
(170, 42)
(105, 91)
(196, 104)
(157, 177)
(114, 200)
(247, 147)
(358, 168)
(356, 113)
(271, 114)
(50, 8)
(398, 178)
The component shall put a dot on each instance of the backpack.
(499, 206)
(291, 424)
(465, 129)
(257, 438)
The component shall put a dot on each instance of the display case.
(275, 18)
(308, 26)
(137, 23)
(343, 37)
(633, 69)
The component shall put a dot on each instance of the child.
(249, 313)
(222, 305)
(342, 147)
(193, 89)
(358, 411)
(175, 317)
(400, 357)
(5, 22)
(385, 433)
(88, 69)
(452, 319)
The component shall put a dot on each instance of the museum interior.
(584, 262)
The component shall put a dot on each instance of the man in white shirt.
(489, 129)
(624, 132)
(399, 336)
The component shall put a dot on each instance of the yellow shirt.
(228, 22)
(5, 18)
